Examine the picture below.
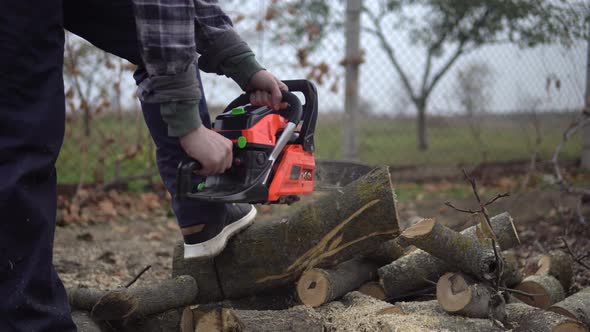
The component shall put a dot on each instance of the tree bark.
(273, 254)
(458, 294)
(559, 264)
(318, 286)
(548, 290)
(229, 320)
(526, 318)
(414, 270)
(461, 251)
(576, 306)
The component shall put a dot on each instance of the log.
(414, 271)
(137, 302)
(511, 275)
(461, 251)
(84, 322)
(547, 289)
(559, 264)
(298, 318)
(373, 289)
(458, 294)
(318, 286)
(526, 318)
(323, 233)
(576, 306)
(173, 320)
(386, 253)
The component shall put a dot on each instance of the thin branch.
(519, 292)
(491, 201)
(458, 209)
(378, 32)
(577, 259)
(138, 276)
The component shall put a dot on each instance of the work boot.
(212, 238)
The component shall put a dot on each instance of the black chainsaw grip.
(296, 110)
(184, 177)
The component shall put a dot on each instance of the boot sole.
(215, 246)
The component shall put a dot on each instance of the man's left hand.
(265, 90)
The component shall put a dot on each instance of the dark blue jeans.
(32, 115)
(109, 25)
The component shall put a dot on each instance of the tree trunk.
(547, 289)
(230, 320)
(318, 286)
(273, 254)
(421, 125)
(414, 270)
(461, 251)
(559, 264)
(576, 306)
(458, 294)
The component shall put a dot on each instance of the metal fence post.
(351, 95)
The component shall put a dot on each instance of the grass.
(382, 141)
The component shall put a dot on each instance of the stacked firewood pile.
(290, 273)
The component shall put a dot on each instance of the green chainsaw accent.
(200, 186)
(242, 141)
(238, 111)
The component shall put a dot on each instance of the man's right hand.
(210, 149)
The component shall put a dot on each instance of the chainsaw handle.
(184, 177)
(295, 107)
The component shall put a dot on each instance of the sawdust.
(358, 312)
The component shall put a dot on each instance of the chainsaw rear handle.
(310, 110)
(295, 108)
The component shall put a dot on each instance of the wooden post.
(351, 94)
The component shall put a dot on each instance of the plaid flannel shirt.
(171, 33)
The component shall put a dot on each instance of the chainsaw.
(273, 153)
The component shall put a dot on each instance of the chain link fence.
(496, 103)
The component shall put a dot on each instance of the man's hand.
(266, 89)
(210, 149)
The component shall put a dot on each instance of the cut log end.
(313, 287)
(421, 228)
(546, 290)
(569, 327)
(115, 305)
(374, 290)
(452, 292)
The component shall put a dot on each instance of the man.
(32, 116)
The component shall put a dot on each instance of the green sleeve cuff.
(181, 117)
(241, 68)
